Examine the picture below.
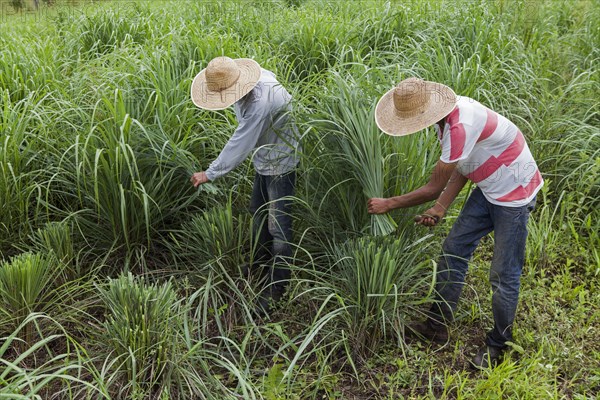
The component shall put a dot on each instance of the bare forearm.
(440, 177)
(455, 184)
(414, 198)
(436, 213)
(438, 181)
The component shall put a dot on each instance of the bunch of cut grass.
(348, 116)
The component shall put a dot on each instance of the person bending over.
(480, 145)
(265, 130)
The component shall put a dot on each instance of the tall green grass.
(140, 330)
(20, 166)
(154, 351)
(382, 283)
(42, 372)
(348, 117)
(98, 139)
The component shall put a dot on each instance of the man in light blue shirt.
(265, 130)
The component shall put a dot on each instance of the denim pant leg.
(261, 239)
(280, 190)
(473, 223)
(510, 236)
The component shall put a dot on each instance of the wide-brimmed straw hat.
(223, 82)
(413, 105)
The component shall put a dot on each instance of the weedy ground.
(119, 280)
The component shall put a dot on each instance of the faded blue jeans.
(478, 218)
(270, 205)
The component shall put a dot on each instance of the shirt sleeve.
(457, 143)
(239, 146)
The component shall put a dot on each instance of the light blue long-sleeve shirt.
(265, 129)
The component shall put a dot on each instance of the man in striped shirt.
(479, 145)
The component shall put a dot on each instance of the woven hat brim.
(204, 98)
(442, 102)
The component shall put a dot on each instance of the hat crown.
(411, 97)
(221, 73)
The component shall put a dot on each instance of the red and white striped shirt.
(491, 152)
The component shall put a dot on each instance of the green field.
(119, 280)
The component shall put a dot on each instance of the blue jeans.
(270, 205)
(478, 218)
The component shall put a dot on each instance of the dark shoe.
(428, 331)
(487, 356)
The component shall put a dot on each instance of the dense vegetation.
(119, 280)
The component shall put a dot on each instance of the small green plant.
(56, 238)
(381, 281)
(156, 349)
(214, 235)
(141, 328)
(273, 383)
(28, 283)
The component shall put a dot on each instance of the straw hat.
(413, 105)
(224, 81)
